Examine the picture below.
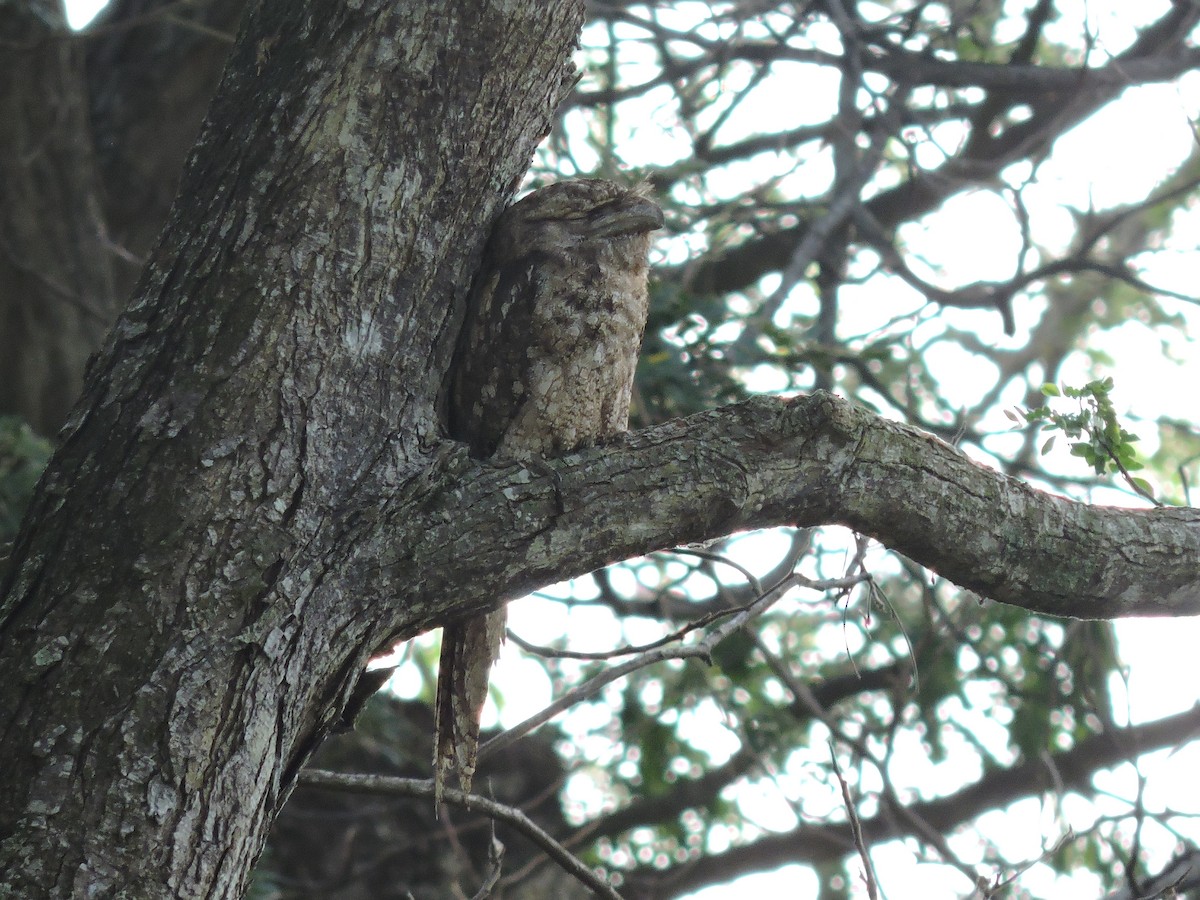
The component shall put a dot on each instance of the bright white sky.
(80, 12)
(1113, 158)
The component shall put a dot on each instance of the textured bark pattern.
(545, 366)
(243, 433)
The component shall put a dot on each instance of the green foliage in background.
(23, 455)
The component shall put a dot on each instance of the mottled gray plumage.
(544, 366)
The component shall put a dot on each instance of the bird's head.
(571, 214)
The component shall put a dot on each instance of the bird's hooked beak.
(631, 214)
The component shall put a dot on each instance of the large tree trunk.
(191, 608)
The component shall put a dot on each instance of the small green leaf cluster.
(23, 455)
(1099, 439)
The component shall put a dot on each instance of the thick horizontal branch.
(813, 460)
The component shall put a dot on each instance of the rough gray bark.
(815, 460)
(255, 492)
(192, 599)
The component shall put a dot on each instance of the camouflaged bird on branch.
(544, 366)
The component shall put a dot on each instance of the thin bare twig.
(495, 867)
(855, 828)
(628, 649)
(702, 649)
(423, 788)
